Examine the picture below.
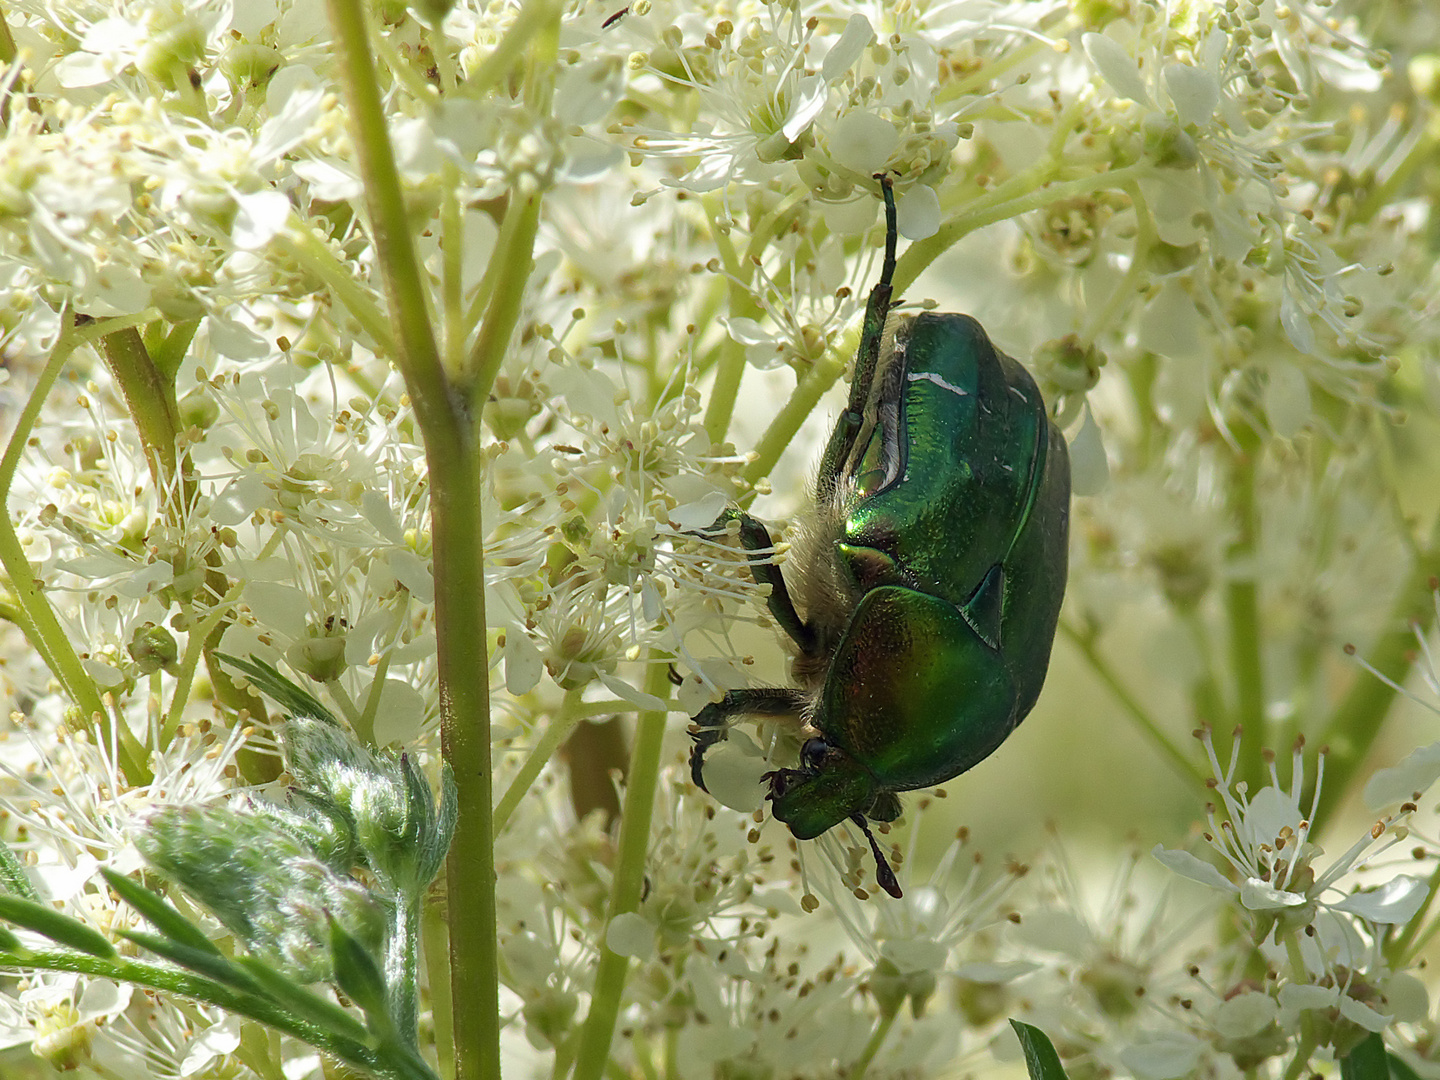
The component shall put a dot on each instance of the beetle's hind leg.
(712, 722)
(755, 539)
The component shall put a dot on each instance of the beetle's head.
(829, 787)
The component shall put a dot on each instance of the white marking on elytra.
(931, 377)
(1020, 394)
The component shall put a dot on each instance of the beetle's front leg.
(755, 539)
(712, 722)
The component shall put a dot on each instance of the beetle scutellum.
(926, 581)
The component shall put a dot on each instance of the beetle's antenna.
(884, 876)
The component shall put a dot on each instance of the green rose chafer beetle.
(930, 573)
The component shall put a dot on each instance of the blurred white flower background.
(312, 314)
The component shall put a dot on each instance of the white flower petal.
(620, 688)
(854, 40)
(1413, 776)
(809, 100)
(1270, 813)
(261, 215)
(745, 331)
(630, 935)
(1188, 866)
(1163, 1057)
(1245, 1015)
(1116, 66)
(863, 141)
(1359, 1013)
(329, 182)
(235, 340)
(1257, 896)
(1393, 903)
(994, 972)
(82, 69)
(699, 513)
(523, 663)
(1089, 467)
(852, 217)
(1297, 324)
(917, 213)
(1194, 92)
(1287, 400)
(1295, 997)
(914, 954)
(400, 714)
(733, 771)
(1406, 997)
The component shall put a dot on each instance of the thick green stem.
(149, 392)
(150, 399)
(457, 474)
(409, 300)
(611, 972)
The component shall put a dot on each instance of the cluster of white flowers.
(1208, 228)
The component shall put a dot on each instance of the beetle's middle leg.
(755, 539)
(711, 722)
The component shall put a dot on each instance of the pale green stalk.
(1242, 611)
(49, 639)
(309, 250)
(1177, 758)
(555, 733)
(883, 1024)
(634, 845)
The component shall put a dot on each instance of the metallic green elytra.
(929, 575)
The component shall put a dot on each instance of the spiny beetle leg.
(713, 721)
(755, 538)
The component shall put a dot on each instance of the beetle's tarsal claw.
(704, 738)
(884, 876)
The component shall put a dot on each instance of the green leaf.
(1040, 1057)
(1368, 1061)
(213, 965)
(56, 926)
(160, 914)
(289, 696)
(357, 973)
(305, 1003)
(13, 878)
(1400, 1071)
